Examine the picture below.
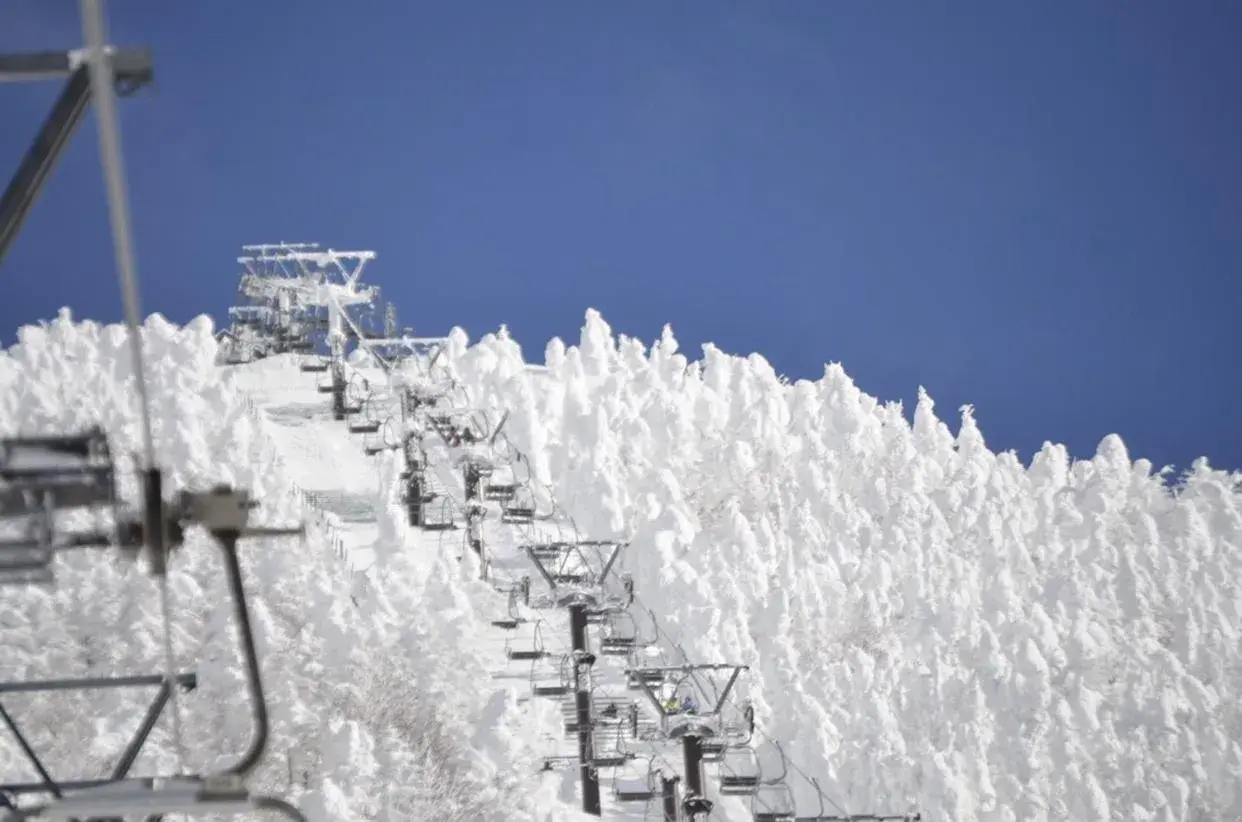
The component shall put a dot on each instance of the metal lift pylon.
(131, 69)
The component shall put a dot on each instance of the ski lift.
(741, 774)
(370, 422)
(616, 756)
(637, 678)
(512, 618)
(441, 516)
(499, 491)
(775, 803)
(518, 652)
(620, 635)
(519, 508)
(39, 477)
(348, 395)
(551, 681)
(316, 365)
(736, 733)
(388, 440)
(629, 787)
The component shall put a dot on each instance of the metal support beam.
(696, 805)
(582, 700)
(132, 69)
(48, 784)
(668, 793)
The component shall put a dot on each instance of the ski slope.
(927, 625)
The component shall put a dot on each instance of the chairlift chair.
(39, 478)
(775, 803)
(357, 391)
(741, 774)
(316, 365)
(520, 653)
(635, 679)
(627, 788)
(370, 423)
(442, 519)
(499, 491)
(388, 440)
(513, 618)
(620, 635)
(519, 508)
(615, 758)
(554, 683)
(741, 731)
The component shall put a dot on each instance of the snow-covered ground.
(926, 624)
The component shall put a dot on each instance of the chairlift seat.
(499, 491)
(636, 678)
(775, 816)
(517, 516)
(364, 428)
(314, 367)
(522, 654)
(616, 645)
(635, 795)
(325, 389)
(610, 760)
(506, 624)
(732, 784)
(556, 689)
(439, 526)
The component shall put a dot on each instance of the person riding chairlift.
(686, 705)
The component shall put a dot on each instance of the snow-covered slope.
(927, 624)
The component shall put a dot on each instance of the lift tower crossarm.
(132, 69)
(33, 66)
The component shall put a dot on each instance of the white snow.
(928, 625)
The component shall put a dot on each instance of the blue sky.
(1032, 207)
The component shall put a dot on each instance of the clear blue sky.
(1035, 207)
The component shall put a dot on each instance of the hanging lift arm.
(132, 69)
